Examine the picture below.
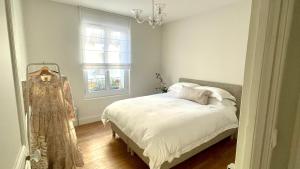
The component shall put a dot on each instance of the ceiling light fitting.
(157, 18)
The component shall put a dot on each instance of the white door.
(12, 148)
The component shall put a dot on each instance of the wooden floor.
(100, 151)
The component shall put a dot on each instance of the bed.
(165, 131)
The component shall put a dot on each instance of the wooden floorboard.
(100, 151)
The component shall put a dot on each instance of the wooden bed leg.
(113, 134)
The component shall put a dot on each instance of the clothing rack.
(35, 156)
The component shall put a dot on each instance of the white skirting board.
(87, 120)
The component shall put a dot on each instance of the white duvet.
(166, 127)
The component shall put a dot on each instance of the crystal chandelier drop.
(157, 17)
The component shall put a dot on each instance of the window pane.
(93, 48)
(114, 47)
(115, 35)
(95, 31)
(93, 56)
(95, 80)
(93, 43)
(117, 78)
(119, 35)
(114, 51)
(118, 48)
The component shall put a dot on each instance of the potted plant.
(163, 88)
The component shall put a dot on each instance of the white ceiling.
(175, 9)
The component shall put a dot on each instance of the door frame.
(269, 31)
(9, 6)
(24, 151)
(294, 161)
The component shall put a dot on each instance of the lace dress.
(52, 130)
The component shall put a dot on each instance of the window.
(106, 60)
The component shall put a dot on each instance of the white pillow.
(225, 102)
(218, 93)
(178, 86)
(197, 95)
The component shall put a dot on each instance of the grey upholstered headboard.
(235, 90)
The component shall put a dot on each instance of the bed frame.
(133, 148)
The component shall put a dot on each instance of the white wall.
(52, 36)
(210, 46)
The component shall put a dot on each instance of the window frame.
(105, 66)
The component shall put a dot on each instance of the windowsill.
(107, 96)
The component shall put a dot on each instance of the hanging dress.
(51, 123)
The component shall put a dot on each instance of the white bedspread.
(166, 127)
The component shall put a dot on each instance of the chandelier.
(157, 17)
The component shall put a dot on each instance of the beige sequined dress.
(52, 130)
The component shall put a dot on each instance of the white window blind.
(105, 47)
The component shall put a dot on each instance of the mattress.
(166, 127)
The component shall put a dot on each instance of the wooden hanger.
(45, 73)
